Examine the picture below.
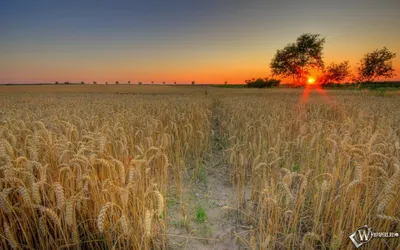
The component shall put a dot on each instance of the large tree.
(376, 64)
(296, 59)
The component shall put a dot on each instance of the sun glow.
(311, 80)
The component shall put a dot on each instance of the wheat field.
(95, 169)
(314, 172)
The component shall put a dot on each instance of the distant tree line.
(117, 82)
(262, 83)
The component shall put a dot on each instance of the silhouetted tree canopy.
(336, 72)
(376, 64)
(296, 59)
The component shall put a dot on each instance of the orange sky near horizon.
(233, 69)
(220, 67)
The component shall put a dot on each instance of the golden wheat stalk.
(147, 223)
(10, 236)
(101, 218)
(160, 203)
(59, 192)
(50, 213)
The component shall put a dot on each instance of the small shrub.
(200, 214)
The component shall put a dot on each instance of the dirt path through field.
(207, 189)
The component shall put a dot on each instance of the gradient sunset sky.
(207, 41)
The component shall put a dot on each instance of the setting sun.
(310, 80)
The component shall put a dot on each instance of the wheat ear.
(102, 216)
